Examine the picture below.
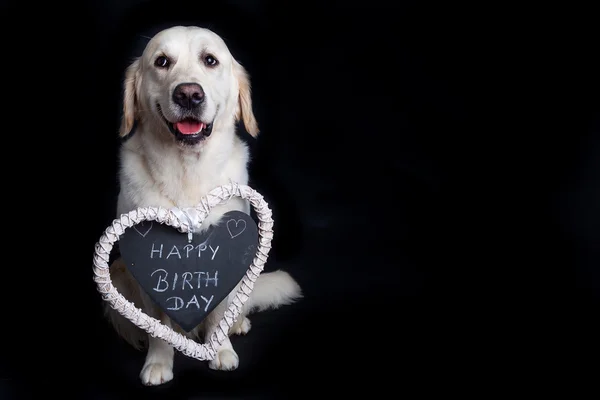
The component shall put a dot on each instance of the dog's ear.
(130, 98)
(244, 105)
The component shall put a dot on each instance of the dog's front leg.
(158, 367)
(226, 358)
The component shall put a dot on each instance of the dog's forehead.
(185, 37)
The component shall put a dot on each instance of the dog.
(183, 97)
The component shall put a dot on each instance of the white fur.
(157, 170)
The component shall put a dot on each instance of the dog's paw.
(156, 374)
(242, 328)
(226, 360)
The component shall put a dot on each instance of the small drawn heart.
(232, 226)
(154, 327)
(143, 228)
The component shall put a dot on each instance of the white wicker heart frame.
(154, 327)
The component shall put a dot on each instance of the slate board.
(188, 280)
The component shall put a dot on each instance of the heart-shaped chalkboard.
(147, 219)
(187, 280)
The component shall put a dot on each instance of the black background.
(433, 171)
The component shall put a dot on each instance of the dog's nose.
(188, 95)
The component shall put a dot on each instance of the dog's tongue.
(189, 127)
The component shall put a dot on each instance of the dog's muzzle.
(188, 130)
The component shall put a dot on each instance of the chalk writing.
(236, 228)
(177, 303)
(187, 251)
(143, 228)
(187, 280)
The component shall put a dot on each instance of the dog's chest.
(166, 178)
(187, 187)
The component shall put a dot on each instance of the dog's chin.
(188, 131)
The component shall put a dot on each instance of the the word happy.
(187, 251)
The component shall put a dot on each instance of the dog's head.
(186, 85)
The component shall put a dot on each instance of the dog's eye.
(210, 61)
(162, 62)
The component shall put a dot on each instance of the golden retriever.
(184, 96)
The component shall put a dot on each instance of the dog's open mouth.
(189, 130)
(189, 127)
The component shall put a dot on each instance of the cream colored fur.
(157, 170)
